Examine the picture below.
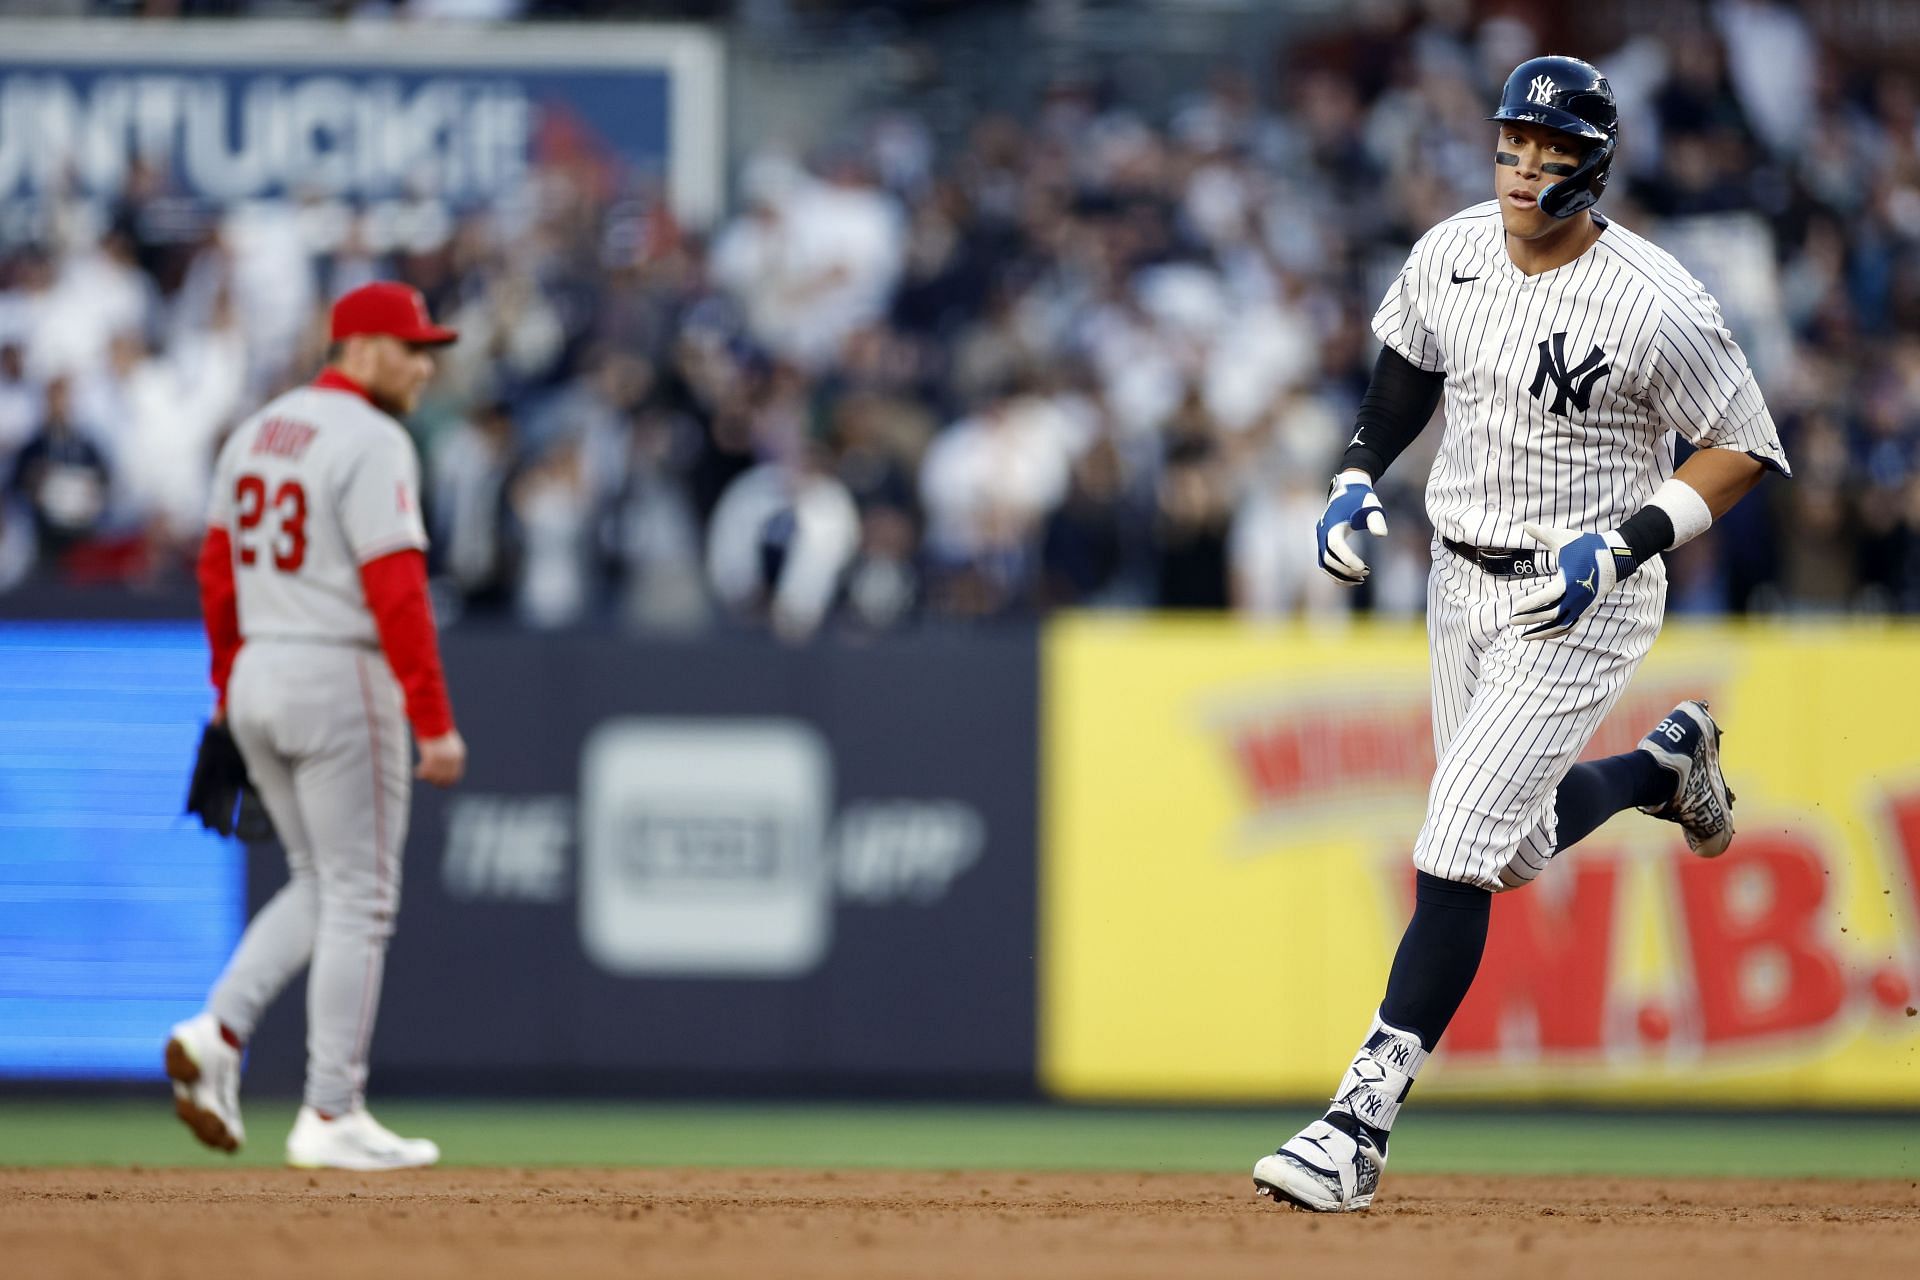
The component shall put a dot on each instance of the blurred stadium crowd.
(1082, 356)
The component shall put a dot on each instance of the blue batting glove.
(1591, 566)
(1352, 507)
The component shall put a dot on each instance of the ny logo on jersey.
(1575, 384)
(1540, 92)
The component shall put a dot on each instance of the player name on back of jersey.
(284, 437)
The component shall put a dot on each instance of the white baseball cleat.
(354, 1141)
(205, 1071)
(1687, 742)
(1324, 1169)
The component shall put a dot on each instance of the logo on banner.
(702, 847)
(246, 132)
(715, 848)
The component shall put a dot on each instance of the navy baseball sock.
(1438, 956)
(1596, 790)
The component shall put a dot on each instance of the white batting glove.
(1590, 567)
(1351, 507)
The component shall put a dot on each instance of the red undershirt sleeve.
(396, 590)
(218, 607)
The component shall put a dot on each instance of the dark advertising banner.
(223, 114)
(723, 865)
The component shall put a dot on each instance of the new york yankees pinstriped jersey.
(1564, 389)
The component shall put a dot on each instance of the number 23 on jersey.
(287, 541)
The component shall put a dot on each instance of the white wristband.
(1353, 475)
(1685, 507)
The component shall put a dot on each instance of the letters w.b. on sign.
(1757, 960)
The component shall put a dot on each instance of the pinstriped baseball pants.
(323, 730)
(1511, 716)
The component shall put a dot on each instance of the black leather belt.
(1499, 561)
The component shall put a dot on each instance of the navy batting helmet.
(1573, 97)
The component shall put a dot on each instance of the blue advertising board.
(115, 911)
(265, 110)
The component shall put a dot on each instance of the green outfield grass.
(124, 1132)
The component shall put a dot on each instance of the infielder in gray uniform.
(1569, 352)
(313, 581)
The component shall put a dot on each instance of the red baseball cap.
(389, 308)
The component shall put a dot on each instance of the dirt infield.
(560, 1224)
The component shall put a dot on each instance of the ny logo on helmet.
(1575, 384)
(1541, 91)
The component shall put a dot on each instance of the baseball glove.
(220, 794)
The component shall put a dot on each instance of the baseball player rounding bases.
(1569, 351)
(313, 580)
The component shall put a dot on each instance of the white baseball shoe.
(1688, 743)
(1323, 1168)
(354, 1141)
(205, 1071)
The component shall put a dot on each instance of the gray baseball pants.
(323, 730)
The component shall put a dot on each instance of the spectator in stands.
(783, 536)
(656, 530)
(468, 489)
(61, 475)
(20, 402)
(812, 260)
(988, 484)
(1191, 528)
(552, 509)
(878, 437)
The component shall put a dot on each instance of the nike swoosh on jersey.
(1460, 279)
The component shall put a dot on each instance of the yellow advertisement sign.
(1229, 817)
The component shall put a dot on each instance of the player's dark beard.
(387, 404)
